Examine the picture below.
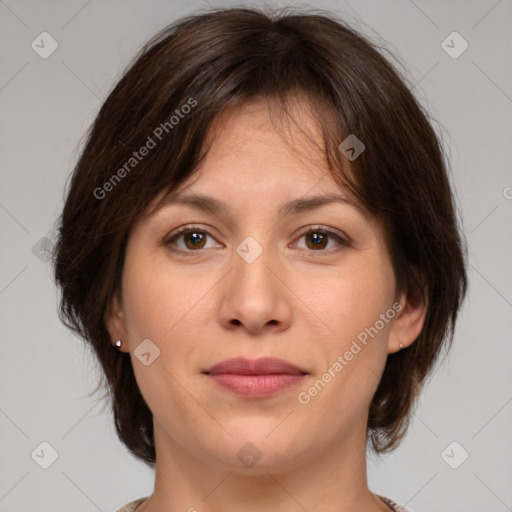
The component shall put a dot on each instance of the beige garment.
(130, 507)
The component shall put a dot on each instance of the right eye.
(192, 239)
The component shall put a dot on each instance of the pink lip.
(255, 377)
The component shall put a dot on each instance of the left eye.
(318, 239)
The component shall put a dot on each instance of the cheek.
(158, 306)
(154, 298)
(353, 301)
(352, 307)
(368, 319)
(168, 307)
(353, 359)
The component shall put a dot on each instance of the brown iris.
(196, 238)
(319, 240)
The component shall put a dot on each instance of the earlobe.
(409, 321)
(114, 322)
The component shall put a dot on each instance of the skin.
(296, 301)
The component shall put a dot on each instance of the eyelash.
(172, 237)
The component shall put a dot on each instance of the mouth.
(255, 378)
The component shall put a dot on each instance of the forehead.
(257, 147)
(263, 132)
(258, 153)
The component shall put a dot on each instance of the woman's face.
(266, 273)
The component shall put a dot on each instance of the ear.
(115, 323)
(409, 320)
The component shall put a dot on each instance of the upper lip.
(261, 366)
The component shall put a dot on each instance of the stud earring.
(401, 346)
(118, 344)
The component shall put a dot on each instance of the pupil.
(196, 239)
(318, 239)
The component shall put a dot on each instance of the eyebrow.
(211, 205)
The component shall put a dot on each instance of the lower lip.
(255, 386)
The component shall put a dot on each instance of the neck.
(334, 481)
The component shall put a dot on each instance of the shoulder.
(130, 507)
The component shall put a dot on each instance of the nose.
(255, 297)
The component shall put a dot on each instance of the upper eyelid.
(304, 231)
(319, 227)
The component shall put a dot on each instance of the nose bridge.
(254, 297)
(251, 261)
(250, 250)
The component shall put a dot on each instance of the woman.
(262, 224)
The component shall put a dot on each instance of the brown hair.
(213, 61)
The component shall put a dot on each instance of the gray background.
(45, 372)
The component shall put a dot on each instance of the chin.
(253, 451)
